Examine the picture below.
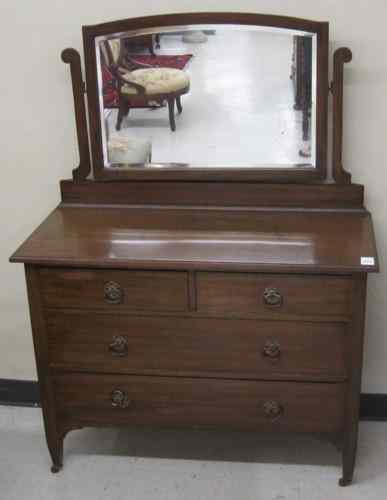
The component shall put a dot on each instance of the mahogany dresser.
(213, 301)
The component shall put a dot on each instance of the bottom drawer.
(120, 400)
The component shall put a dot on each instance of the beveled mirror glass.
(221, 97)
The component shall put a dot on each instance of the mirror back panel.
(213, 96)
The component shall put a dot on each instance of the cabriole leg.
(171, 106)
(178, 104)
(123, 111)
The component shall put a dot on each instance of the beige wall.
(38, 142)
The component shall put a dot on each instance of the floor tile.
(182, 464)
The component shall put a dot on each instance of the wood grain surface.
(203, 239)
(200, 347)
(306, 407)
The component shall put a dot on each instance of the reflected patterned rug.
(110, 94)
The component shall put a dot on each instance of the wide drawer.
(279, 406)
(114, 290)
(241, 294)
(183, 346)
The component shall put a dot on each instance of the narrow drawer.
(113, 290)
(241, 294)
(194, 346)
(277, 406)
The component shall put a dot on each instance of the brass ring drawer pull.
(120, 399)
(119, 346)
(272, 297)
(113, 292)
(272, 409)
(271, 349)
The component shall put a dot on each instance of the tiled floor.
(181, 465)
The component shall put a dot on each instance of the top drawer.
(239, 294)
(114, 289)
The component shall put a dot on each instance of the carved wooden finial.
(72, 57)
(341, 56)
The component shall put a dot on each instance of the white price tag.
(367, 261)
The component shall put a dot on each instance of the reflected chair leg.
(123, 111)
(305, 124)
(171, 107)
(178, 104)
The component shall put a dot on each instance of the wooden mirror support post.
(72, 57)
(129, 289)
(341, 56)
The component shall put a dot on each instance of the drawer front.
(278, 406)
(173, 345)
(240, 294)
(115, 290)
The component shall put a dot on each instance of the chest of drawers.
(195, 339)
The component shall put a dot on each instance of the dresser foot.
(56, 452)
(345, 481)
(349, 457)
(56, 468)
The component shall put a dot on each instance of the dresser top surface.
(169, 238)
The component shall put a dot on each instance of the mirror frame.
(181, 171)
